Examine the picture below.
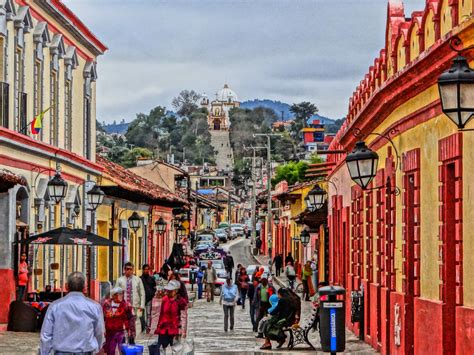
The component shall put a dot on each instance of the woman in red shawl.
(169, 322)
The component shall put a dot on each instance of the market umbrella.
(69, 236)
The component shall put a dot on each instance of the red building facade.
(403, 240)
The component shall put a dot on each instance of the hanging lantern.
(134, 222)
(456, 90)
(304, 237)
(362, 164)
(160, 225)
(181, 231)
(316, 198)
(57, 188)
(95, 197)
(276, 220)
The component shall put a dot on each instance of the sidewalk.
(282, 280)
(353, 344)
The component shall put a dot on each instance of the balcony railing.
(4, 104)
(22, 113)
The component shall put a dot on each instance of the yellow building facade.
(405, 241)
(47, 61)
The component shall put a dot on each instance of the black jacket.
(284, 310)
(229, 262)
(149, 284)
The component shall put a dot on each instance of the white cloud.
(287, 50)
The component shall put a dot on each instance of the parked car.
(237, 229)
(266, 271)
(208, 238)
(221, 234)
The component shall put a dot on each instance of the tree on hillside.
(186, 102)
(302, 111)
(334, 127)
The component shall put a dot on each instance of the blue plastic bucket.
(132, 349)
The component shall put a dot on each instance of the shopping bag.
(154, 349)
(311, 289)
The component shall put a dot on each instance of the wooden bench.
(299, 333)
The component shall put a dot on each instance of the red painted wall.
(428, 337)
(465, 330)
(7, 293)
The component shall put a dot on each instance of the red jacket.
(119, 320)
(170, 315)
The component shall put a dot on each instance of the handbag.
(154, 349)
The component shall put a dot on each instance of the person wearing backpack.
(290, 274)
(228, 300)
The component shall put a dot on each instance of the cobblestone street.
(205, 327)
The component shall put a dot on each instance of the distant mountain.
(322, 119)
(280, 107)
(276, 106)
(120, 128)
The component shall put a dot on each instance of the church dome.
(226, 94)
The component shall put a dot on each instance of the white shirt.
(73, 323)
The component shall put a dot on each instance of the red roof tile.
(129, 181)
(9, 179)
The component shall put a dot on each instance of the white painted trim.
(57, 156)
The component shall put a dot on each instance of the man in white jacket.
(134, 294)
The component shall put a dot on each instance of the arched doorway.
(21, 232)
(217, 125)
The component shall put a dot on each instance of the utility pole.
(269, 184)
(254, 203)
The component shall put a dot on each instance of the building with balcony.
(48, 60)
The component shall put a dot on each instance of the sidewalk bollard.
(332, 319)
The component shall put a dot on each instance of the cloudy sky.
(287, 50)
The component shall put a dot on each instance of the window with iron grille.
(23, 118)
(53, 113)
(68, 114)
(87, 128)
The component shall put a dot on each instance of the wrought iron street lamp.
(180, 231)
(362, 164)
(308, 204)
(456, 90)
(57, 187)
(95, 197)
(456, 87)
(317, 198)
(134, 221)
(304, 237)
(276, 220)
(160, 226)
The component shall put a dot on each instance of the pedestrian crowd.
(75, 324)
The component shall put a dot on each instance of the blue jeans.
(252, 316)
(199, 290)
(243, 294)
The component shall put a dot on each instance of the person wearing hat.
(169, 322)
(118, 315)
